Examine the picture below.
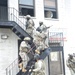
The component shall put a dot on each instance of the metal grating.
(56, 39)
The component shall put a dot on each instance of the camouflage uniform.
(29, 25)
(71, 64)
(24, 48)
(42, 48)
(40, 37)
(39, 68)
(43, 31)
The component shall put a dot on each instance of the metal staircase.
(18, 27)
(19, 31)
(15, 24)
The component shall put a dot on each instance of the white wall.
(14, 4)
(8, 49)
(69, 22)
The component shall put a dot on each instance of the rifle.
(47, 28)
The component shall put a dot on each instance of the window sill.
(25, 16)
(51, 19)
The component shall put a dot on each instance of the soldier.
(35, 66)
(71, 64)
(39, 28)
(29, 25)
(24, 48)
(39, 67)
(43, 31)
(38, 41)
(42, 49)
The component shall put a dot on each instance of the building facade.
(51, 12)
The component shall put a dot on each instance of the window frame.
(27, 6)
(50, 9)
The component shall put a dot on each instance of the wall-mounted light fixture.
(4, 36)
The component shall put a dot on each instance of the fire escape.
(18, 27)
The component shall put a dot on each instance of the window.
(26, 7)
(50, 9)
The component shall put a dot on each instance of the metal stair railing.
(13, 15)
(16, 13)
(12, 69)
(14, 18)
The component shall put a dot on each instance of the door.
(3, 10)
(56, 61)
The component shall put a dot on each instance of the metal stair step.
(13, 29)
(17, 32)
(21, 36)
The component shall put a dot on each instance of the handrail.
(14, 65)
(12, 62)
(16, 11)
(13, 16)
(16, 18)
